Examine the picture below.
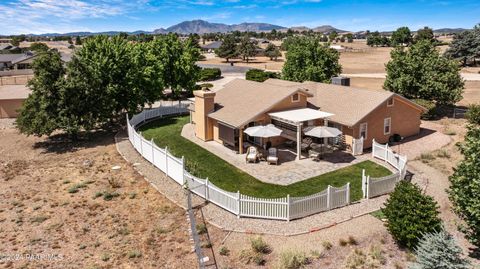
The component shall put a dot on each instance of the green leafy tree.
(465, 185)
(422, 73)
(438, 250)
(308, 59)
(465, 46)
(402, 37)
(410, 214)
(332, 36)
(272, 52)
(41, 112)
(228, 48)
(349, 37)
(375, 39)
(424, 34)
(78, 41)
(260, 75)
(38, 47)
(247, 48)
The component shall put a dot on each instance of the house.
(11, 99)
(291, 106)
(16, 61)
(211, 47)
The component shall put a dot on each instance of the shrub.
(426, 157)
(292, 260)
(473, 114)
(209, 74)
(352, 240)
(327, 245)
(248, 256)
(430, 106)
(107, 196)
(439, 248)
(201, 228)
(260, 75)
(259, 245)
(342, 242)
(224, 251)
(134, 254)
(359, 259)
(410, 214)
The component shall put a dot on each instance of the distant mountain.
(449, 30)
(327, 29)
(202, 27)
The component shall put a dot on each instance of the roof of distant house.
(241, 100)
(14, 92)
(213, 45)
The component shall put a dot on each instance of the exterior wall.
(215, 131)
(8, 108)
(405, 121)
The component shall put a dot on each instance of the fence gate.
(357, 147)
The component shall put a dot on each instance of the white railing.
(373, 187)
(285, 208)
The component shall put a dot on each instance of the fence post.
(183, 170)
(364, 184)
(288, 207)
(348, 193)
(207, 194)
(153, 152)
(141, 144)
(239, 203)
(329, 197)
(166, 161)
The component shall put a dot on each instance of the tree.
(41, 112)
(332, 36)
(465, 185)
(465, 46)
(438, 250)
(410, 214)
(308, 59)
(272, 52)
(473, 114)
(349, 37)
(422, 73)
(78, 41)
(376, 39)
(424, 34)
(247, 48)
(38, 47)
(401, 37)
(260, 75)
(228, 48)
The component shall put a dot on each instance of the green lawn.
(202, 163)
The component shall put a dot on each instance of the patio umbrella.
(264, 131)
(323, 132)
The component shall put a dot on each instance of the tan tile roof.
(241, 100)
(348, 104)
(12, 92)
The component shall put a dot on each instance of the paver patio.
(288, 171)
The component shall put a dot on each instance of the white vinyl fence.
(373, 187)
(286, 208)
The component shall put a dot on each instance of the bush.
(358, 259)
(292, 260)
(248, 256)
(327, 245)
(260, 75)
(224, 251)
(431, 107)
(259, 245)
(439, 248)
(473, 114)
(208, 74)
(410, 214)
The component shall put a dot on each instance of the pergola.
(297, 117)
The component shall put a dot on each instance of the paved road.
(466, 76)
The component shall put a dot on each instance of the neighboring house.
(11, 99)
(16, 61)
(211, 47)
(223, 115)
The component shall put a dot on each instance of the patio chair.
(315, 155)
(272, 156)
(252, 154)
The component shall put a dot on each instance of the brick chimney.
(204, 104)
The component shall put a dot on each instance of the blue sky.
(46, 16)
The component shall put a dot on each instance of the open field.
(202, 163)
(66, 201)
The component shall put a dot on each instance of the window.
(390, 102)
(295, 97)
(387, 126)
(363, 130)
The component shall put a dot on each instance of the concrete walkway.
(228, 221)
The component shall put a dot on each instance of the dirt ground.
(67, 204)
